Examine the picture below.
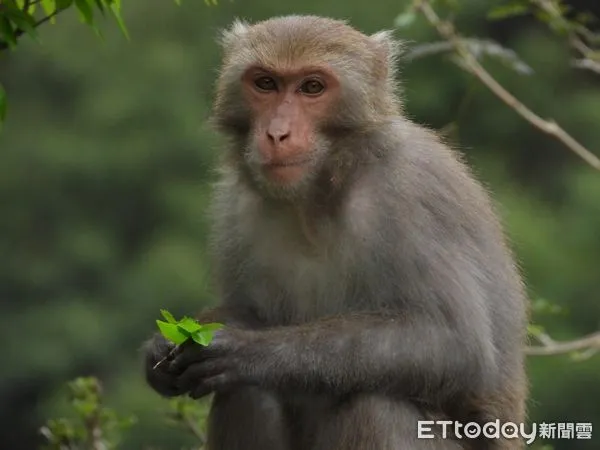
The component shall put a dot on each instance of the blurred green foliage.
(105, 165)
(19, 17)
(95, 427)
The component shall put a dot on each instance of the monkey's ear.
(388, 47)
(235, 32)
(388, 51)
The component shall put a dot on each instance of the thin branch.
(550, 127)
(93, 421)
(427, 49)
(183, 417)
(587, 64)
(193, 428)
(478, 48)
(589, 344)
(48, 17)
(579, 45)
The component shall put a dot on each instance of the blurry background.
(105, 166)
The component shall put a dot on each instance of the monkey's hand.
(200, 370)
(160, 378)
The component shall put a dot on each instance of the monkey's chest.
(289, 280)
(300, 288)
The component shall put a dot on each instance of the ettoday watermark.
(506, 430)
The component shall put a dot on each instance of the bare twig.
(188, 420)
(93, 422)
(427, 49)
(478, 47)
(589, 345)
(193, 428)
(587, 64)
(470, 63)
(48, 17)
(167, 358)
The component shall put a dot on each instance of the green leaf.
(205, 335)
(116, 10)
(85, 407)
(406, 18)
(187, 328)
(30, 8)
(49, 6)
(212, 327)
(171, 332)
(63, 4)
(535, 330)
(189, 325)
(168, 316)
(24, 21)
(202, 337)
(512, 9)
(2, 105)
(85, 11)
(184, 332)
(100, 5)
(543, 306)
(7, 32)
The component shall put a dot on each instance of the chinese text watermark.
(506, 430)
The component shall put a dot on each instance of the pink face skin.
(287, 107)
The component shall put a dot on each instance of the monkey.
(365, 281)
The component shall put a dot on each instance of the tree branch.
(470, 63)
(587, 64)
(589, 344)
(196, 432)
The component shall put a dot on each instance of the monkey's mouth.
(286, 163)
(285, 172)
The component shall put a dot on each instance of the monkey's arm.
(156, 349)
(361, 353)
(230, 315)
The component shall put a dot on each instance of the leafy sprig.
(184, 330)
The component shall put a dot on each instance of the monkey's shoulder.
(426, 183)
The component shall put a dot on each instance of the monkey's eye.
(265, 84)
(312, 87)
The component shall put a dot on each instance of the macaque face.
(286, 147)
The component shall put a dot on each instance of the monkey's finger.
(197, 373)
(163, 383)
(216, 383)
(190, 355)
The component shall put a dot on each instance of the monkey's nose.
(277, 136)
